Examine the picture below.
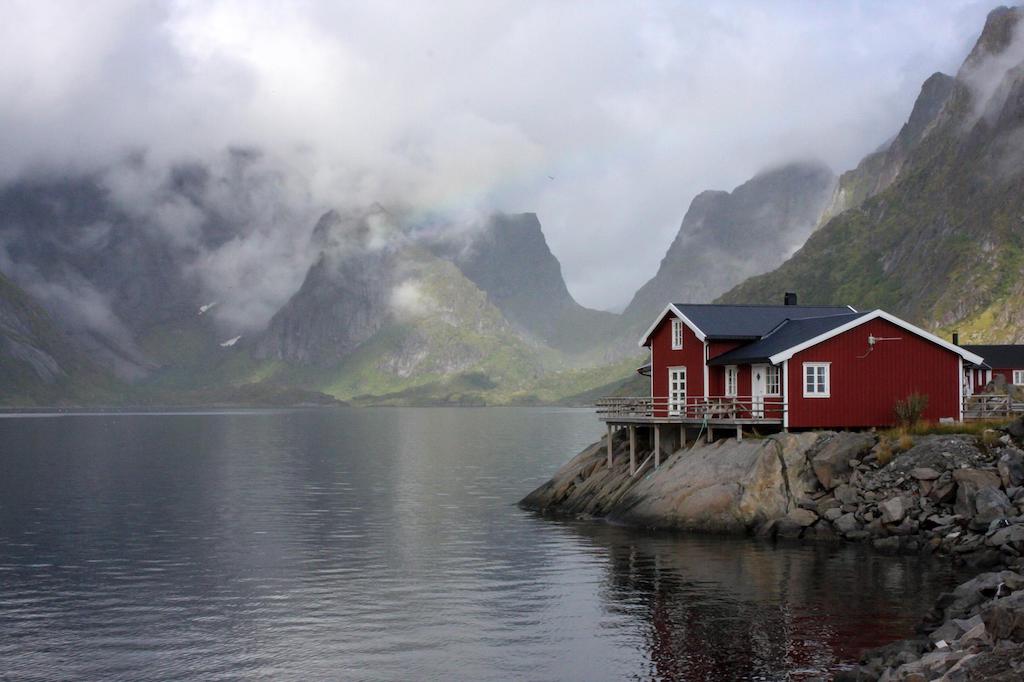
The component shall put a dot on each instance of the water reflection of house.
(718, 609)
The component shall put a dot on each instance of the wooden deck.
(715, 410)
(991, 406)
(691, 416)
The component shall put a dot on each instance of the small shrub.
(909, 411)
(906, 442)
(883, 452)
(990, 437)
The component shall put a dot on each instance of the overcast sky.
(605, 118)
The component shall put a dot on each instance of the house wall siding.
(663, 357)
(865, 389)
(1005, 372)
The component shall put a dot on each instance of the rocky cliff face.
(509, 259)
(880, 169)
(941, 245)
(345, 297)
(726, 237)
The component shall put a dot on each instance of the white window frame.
(1018, 377)
(677, 334)
(732, 376)
(827, 376)
(773, 373)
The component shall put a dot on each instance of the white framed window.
(817, 382)
(773, 380)
(677, 334)
(1018, 377)
(732, 380)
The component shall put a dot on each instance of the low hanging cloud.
(605, 118)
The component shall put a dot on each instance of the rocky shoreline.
(958, 496)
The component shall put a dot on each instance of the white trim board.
(701, 336)
(874, 315)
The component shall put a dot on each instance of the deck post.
(711, 435)
(611, 430)
(739, 432)
(657, 445)
(682, 436)
(632, 449)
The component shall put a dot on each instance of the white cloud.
(463, 106)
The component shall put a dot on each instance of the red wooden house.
(1006, 361)
(793, 366)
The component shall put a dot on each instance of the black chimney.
(790, 298)
(956, 338)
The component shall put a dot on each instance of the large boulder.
(1011, 535)
(725, 486)
(969, 483)
(1004, 618)
(1016, 428)
(966, 597)
(991, 504)
(831, 464)
(894, 509)
(847, 523)
(1011, 467)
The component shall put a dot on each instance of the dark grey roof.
(749, 321)
(787, 334)
(1000, 356)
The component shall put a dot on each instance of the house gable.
(671, 311)
(664, 356)
(865, 382)
(876, 314)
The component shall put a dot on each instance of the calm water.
(385, 544)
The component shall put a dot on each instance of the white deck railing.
(713, 408)
(991, 406)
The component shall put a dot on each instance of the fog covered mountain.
(726, 237)
(149, 282)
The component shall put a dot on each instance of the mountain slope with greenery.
(943, 244)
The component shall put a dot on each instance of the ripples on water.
(385, 544)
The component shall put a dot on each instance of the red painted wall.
(1006, 373)
(662, 357)
(716, 348)
(864, 390)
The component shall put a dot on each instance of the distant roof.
(749, 321)
(1006, 356)
(786, 335)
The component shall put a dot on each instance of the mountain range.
(207, 284)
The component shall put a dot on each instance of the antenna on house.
(872, 340)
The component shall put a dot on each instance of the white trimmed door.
(758, 389)
(676, 390)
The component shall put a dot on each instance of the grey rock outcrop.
(727, 486)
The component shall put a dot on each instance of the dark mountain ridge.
(726, 237)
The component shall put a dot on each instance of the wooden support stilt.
(711, 435)
(610, 432)
(657, 445)
(739, 432)
(632, 449)
(682, 435)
